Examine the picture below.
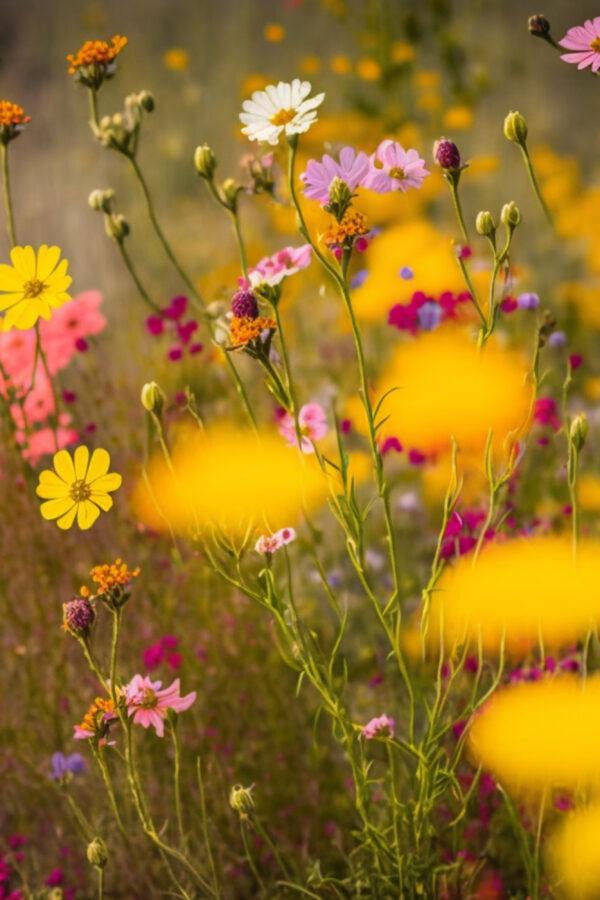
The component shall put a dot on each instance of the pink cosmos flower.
(395, 169)
(269, 543)
(352, 168)
(69, 325)
(313, 426)
(585, 41)
(148, 704)
(273, 269)
(381, 725)
(41, 443)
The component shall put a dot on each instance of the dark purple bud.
(446, 154)
(539, 26)
(78, 616)
(244, 305)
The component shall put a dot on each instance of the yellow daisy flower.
(32, 287)
(78, 486)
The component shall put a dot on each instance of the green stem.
(458, 209)
(240, 241)
(100, 872)
(98, 756)
(10, 221)
(141, 289)
(534, 183)
(471, 289)
(288, 374)
(205, 834)
(93, 98)
(177, 781)
(250, 858)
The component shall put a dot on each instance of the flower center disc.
(282, 116)
(148, 700)
(595, 45)
(396, 172)
(33, 288)
(80, 491)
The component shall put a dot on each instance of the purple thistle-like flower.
(244, 305)
(78, 616)
(446, 154)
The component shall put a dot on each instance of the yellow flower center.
(397, 172)
(80, 491)
(282, 116)
(33, 288)
(595, 45)
(149, 699)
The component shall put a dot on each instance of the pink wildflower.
(382, 726)
(269, 543)
(585, 41)
(312, 423)
(352, 168)
(395, 169)
(273, 269)
(148, 704)
(70, 324)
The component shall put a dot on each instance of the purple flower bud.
(244, 305)
(528, 301)
(539, 26)
(446, 154)
(557, 339)
(78, 616)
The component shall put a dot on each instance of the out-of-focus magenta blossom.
(395, 169)
(269, 543)
(148, 704)
(584, 40)
(380, 726)
(162, 651)
(312, 423)
(545, 412)
(352, 168)
(272, 270)
(170, 321)
(425, 313)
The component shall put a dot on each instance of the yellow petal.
(9, 279)
(52, 509)
(63, 466)
(67, 520)
(52, 491)
(24, 315)
(80, 461)
(47, 259)
(23, 259)
(48, 477)
(104, 483)
(7, 300)
(104, 501)
(99, 464)
(87, 513)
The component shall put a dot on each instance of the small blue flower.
(406, 273)
(557, 339)
(359, 279)
(64, 767)
(429, 315)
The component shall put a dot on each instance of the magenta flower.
(313, 426)
(352, 168)
(273, 269)
(382, 726)
(585, 41)
(395, 169)
(148, 704)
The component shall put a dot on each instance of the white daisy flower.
(281, 107)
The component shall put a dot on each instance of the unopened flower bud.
(340, 198)
(240, 798)
(153, 398)
(539, 26)
(78, 616)
(101, 201)
(446, 154)
(116, 227)
(484, 223)
(244, 305)
(97, 853)
(230, 189)
(146, 101)
(205, 162)
(515, 128)
(510, 215)
(579, 431)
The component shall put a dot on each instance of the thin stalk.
(109, 787)
(233, 214)
(458, 210)
(471, 289)
(534, 183)
(177, 783)
(93, 99)
(207, 844)
(10, 221)
(141, 289)
(100, 872)
(250, 859)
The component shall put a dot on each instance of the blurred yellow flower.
(230, 479)
(588, 492)
(309, 65)
(458, 117)
(484, 164)
(274, 33)
(253, 82)
(368, 69)
(523, 589)
(445, 387)
(33, 286)
(341, 65)
(427, 78)
(78, 486)
(176, 59)
(430, 101)
(541, 734)
(401, 52)
(573, 856)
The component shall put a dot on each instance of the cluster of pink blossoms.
(272, 270)
(312, 424)
(389, 168)
(425, 313)
(380, 726)
(165, 651)
(170, 321)
(27, 385)
(269, 543)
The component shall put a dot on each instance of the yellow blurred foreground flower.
(542, 734)
(78, 486)
(573, 855)
(230, 479)
(446, 387)
(33, 286)
(523, 589)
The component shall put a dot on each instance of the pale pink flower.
(41, 443)
(273, 269)
(269, 543)
(17, 351)
(69, 324)
(585, 41)
(313, 426)
(395, 169)
(148, 704)
(352, 168)
(381, 725)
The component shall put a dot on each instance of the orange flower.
(244, 330)
(94, 61)
(108, 577)
(12, 120)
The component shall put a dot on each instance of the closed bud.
(230, 189)
(579, 431)
(97, 853)
(240, 798)
(510, 215)
(515, 128)
(78, 616)
(539, 26)
(484, 223)
(446, 154)
(117, 227)
(340, 198)
(146, 101)
(205, 162)
(152, 397)
(101, 201)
